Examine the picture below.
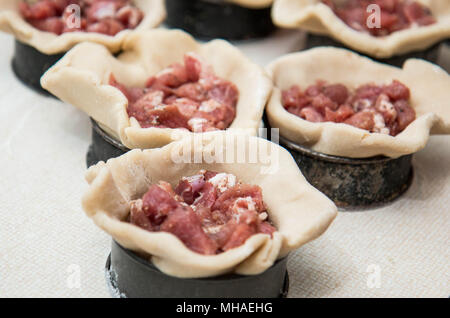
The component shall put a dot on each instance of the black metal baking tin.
(29, 65)
(353, 183)
(103, 147)
(129, 275)
(431, 54)
(209, 19)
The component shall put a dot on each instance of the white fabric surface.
(45, 238)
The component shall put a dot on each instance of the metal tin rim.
(222, 2)
(396, 59)
(111, 287)
(380, 204)
(108, 138)
(30, 78)
(200, 25)
(215, 1)
(148, 264)
(330, 158)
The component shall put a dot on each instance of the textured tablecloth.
(49, 248)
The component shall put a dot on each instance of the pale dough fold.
(430, 97)
(81, 78)
(253, 4)
(49, 43)
(299, 212)
(316, 17)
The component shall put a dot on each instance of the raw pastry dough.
(299, 212)
(430, 96)
(254, 4)
(316, 17)
(12, 22)
(83, 82)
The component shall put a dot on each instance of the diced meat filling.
(188, 96)
(382, 109)
(395, 15)
(209, 212)
(100, 16)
